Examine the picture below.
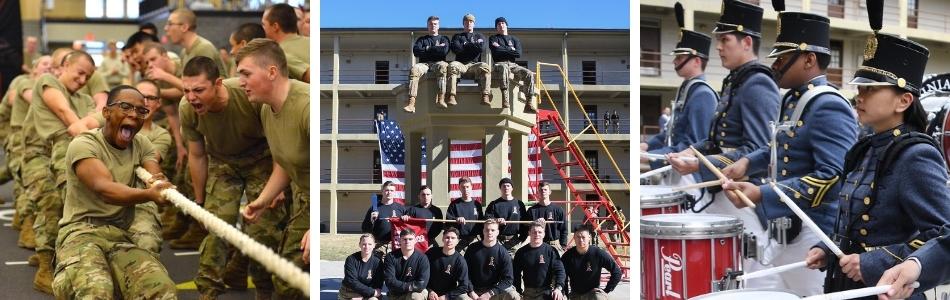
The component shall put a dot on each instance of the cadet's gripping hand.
(305, 247)
(736, 170)
(851, 265)
(900, 277)
(252, 211)
(750, 190)
(155, 191)
(815, 259)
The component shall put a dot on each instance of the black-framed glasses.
(127, 108)
(152, 98)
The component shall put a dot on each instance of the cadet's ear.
(905, 100)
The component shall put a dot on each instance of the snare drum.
(751, 294)
(660, 199)
(687, 255)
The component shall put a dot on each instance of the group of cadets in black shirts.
(494, 267)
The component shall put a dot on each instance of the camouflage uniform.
(14, 156)
(224, 188)
(51, 194)
(290, 243)
(145, 230)
(5, 174)
(99, 261)
(36, 175)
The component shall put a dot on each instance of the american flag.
(465, 159)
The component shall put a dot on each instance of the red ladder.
(616, 240)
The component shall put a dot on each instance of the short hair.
(490, 221)
(451, 230)
(536, 223)
(76, 54)
(148, 81)
(284, 15)
(114, 93)
(584, 228)
(367, 236)
(149, 46)
(406, 232)
(60, 52)
(823, 60)
(756, 41)
(137, 38)
(150, 26)
(265, 51)
(201, 65)
(248, 31)
(464, 180)
(36, 61)
(504, 181)
(386, 184)
(543, 183)
(423, 187)
(188, 17)
(432, 18)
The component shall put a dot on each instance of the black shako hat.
(691, 42)
(800, 32)
(739, 16)
(889, 59)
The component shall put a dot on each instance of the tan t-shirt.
(202, 47)
(81, 202)
(44, 121)
(297, 50)
(288, 134)
(233, 135)
(96, 84)
(18, 110)
(161, 140)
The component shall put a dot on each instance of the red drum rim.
(689, 226)
(772, 294)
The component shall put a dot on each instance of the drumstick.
(856, 293)
(653, 157)
(697, 185)
(718, 173)
(771, 271)
(807, 221)
(657, 171)
(475, 221)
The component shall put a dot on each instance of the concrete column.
(334, 130)
(437, 152)
(495, 162)
(902, 16)
(413, 165)
(519, 165)
(565, 101)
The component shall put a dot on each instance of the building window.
(380, 112)
(377, 168)
(649, 48)
(836, 8)
(649, 114)
(593, 160)
(382, 72)
(589, 72)
(834, 66)
(592, 115)
(112, 9)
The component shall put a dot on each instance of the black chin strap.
(688, 58)
(788, 65)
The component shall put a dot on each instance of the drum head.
(654, 196)
(689, 226)
(750, 294)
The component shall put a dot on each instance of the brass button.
(721, 143)
(724, 125)
(800, 123)
(863, 231)
(786, 146)
(723, 114)
(791, 134)
(784, 172)
(791, 105)
(798, 195)
(897, 132)
(867, 200)
(797, 94)
(811, 191)
(872, 185)
(811, 86)
(785, 118)
(866, 218)
(722, 133)
(785, 159)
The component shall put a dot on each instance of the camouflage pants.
(145, 229)
(509, 293)
(419, 70)
(226, 184)
(290, 243)
(49, 207)
(596, 294)
(5, 173)
(509, 72)
(478, 71)
(347, 293)
(14, 156)
(99, 262)
(51, 195)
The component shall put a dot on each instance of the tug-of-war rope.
(284, 269)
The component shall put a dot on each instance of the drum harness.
(680, 103)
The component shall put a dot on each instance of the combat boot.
(27, 235)
(43, 281)
(440, 100)
(411, 107)
(34, 260)
(452, 100)
(16, 222)
(191, 239)
(531, 106)
(486, 99)
(235, 273)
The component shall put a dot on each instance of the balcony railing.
(364, 126)
(399, 76)
(371, 176)
(651, 63)
(579, 124)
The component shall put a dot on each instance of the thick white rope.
(265, 256)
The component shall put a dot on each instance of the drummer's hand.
(405, 218)
(682, 166)
(900, 277)
(736, 170)
(644, 147)
(750, 190)
(851, 265)
(460, 220)
(815, 259)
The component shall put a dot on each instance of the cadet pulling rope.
(270, 260)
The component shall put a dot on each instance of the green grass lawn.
(337, 247)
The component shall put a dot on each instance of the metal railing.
(349, 125)
(549, 174)
(399, 76)
(578, 126)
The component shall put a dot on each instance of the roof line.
(618, 30)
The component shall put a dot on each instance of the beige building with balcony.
(924, 21)
(360, 67)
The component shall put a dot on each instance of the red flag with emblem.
(416, 225)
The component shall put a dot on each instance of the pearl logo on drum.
(671, 263)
